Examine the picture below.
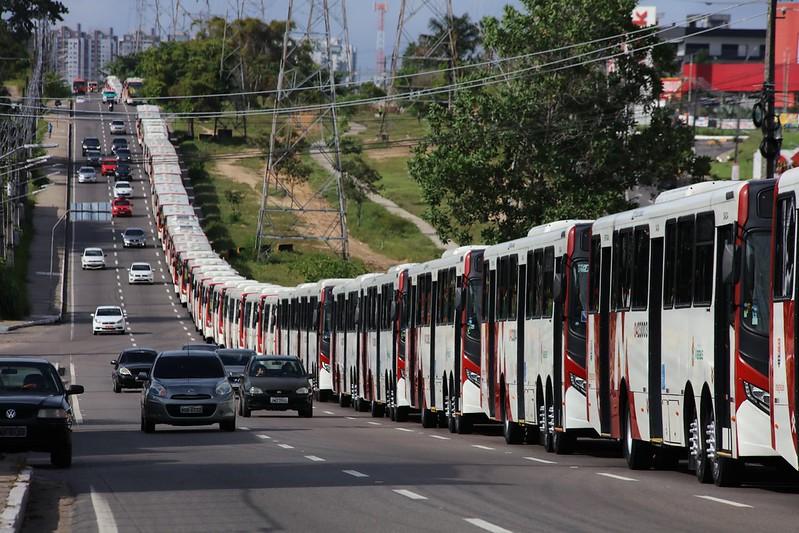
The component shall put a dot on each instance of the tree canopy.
(555, 140)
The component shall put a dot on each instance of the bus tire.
(638, 454)
(512, 432)
(727, 472)
(531, 434)
(401, 413)
(563, 442)
(343, 400)
(377, 409)
(361, 405)
(463, 424)
(698, 442)
(428, 418)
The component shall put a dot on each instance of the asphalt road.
(339, 471)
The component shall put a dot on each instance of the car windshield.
(277, 368)
(234, 358)
(137, 357)
(89, 141)
(140, 267)
(87, 170)
(134, 232)
(28, 378)
(123, 184)
(117, 123)
(188, 367)
(93, 253)
(109, 311)
(119, 201)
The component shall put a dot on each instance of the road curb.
(14, 513)
(40, 322)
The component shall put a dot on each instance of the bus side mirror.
(393, 310)
(728, 263)
(557, 281)
(459, 298)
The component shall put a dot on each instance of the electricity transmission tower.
(294, 208)
(439, 48)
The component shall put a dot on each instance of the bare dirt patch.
(380, 154)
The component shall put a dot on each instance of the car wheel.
(62, 457)
(146, 425)
(117, 387)
(228, 425)
(306, 412)
(245, 409)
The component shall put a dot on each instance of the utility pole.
(772, 139)
(736, 168)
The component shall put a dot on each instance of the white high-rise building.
(78, 54)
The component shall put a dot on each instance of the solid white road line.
(263, 436)
(102, 513)
(314, 458)
(614, 476)
(354, 473)
(75, 403)
(286, 446)
(410, 494)
(544, 461)
(487, 526)
(480, 446)
(329, 412)
(725, 502)
(439, 437)
(405, 430)
(375, 423)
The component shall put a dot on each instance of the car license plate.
(191, 409)
(14, 431)
(279, 399)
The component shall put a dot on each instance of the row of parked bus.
(669, 328)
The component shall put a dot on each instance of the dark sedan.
(35, 412)
(128, 365)
(276, 383)
(235, 361)
(122, 171)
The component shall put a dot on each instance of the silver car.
(117, 127)
(187, 388)
(87, 175)
(234, 362)
(134, 237)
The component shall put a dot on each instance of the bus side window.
(484, 291)
(530, 287)
(641, 268)
(668, 269)
(684, 263)
(594, 271)
(513, 286)
(703, 263)
(784, 246)
(549, 273)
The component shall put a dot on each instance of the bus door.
(492, 341)
(723, 308)
(655, 360)
(557, 341)
(604, 342)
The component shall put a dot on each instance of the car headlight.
(156, 389)
(578, 383)
(223, 388)
(125, 372)
(52, 413)
(761, 398)
(302, 390)
(255, 390)
(474, 377)
(119, 321)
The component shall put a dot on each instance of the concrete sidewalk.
(44, 292)
(14, 489)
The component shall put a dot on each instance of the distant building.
(79, 54)
(138, 41)
(711, 39)
(338, 55)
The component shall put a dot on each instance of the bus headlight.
(758, 396)
(474, 377)
(578, 383)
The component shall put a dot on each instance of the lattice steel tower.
(317, 211)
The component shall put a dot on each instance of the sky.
(362, 19)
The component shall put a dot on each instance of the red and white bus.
(678, 338)
(534, 317)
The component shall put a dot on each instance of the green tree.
(55, 87)
(556, 143)
(358, 179)
(20, 16)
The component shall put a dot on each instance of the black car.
(128, 365)
(94, 158)
(122, 171)
(235, 361)
(276, 383)
(208, 347)
(35, 411)
(123, 155)
(119, 143)
(90, 143)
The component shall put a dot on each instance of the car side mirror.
(114, 362)
(141, 376)
(91, 315)
(74, 389)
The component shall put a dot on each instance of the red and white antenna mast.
(380, 57)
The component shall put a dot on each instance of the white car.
(87, 175)
(122, 189)
(140, 273)
(117, 127)
(108, 319)
(92, 258)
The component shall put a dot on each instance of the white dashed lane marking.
(286, 446)
(410, 494)
(614, 476)
(537, 460)
(481, 447)
(487, 526)
(314, 458)
(354, 473)
(725, 502)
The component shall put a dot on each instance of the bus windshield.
(755, 286)
(578, 297)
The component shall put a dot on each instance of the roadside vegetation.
(746, 152)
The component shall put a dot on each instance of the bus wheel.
(362, 405)
(402, 414)
(512, 431)
(428, 418)
(725, 471)
(452, 408)
(531, 434)
(343, 400)
(637, 453)
(563, 442)
(377, 410)
(463, 424)
(324, 395)
(698, 445)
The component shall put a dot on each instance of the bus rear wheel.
(637, 453)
